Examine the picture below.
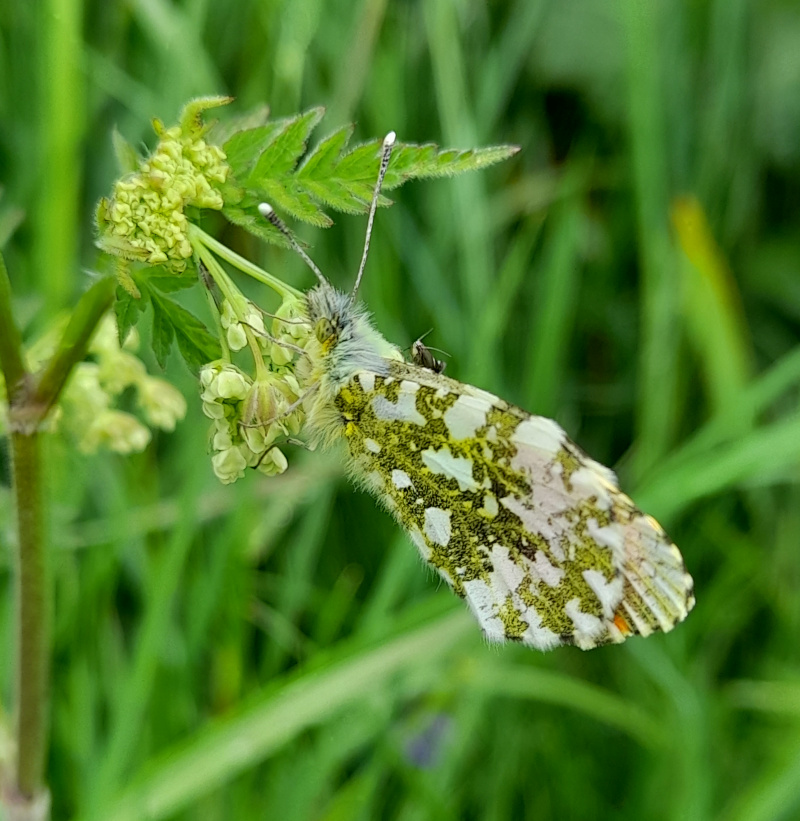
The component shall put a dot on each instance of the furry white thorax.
(354, 347)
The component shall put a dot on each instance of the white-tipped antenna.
(388, 142)
(267, 211)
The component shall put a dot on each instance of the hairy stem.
(33, 601)
(29, 401)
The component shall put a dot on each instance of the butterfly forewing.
(531, 532)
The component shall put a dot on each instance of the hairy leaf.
(127, 310)
(163, 333)
(267, 164)
(281, 156)
(173, 321)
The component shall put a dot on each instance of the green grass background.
(275, 649)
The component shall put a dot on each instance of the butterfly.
(532, 533)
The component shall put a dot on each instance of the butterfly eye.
(324, 329)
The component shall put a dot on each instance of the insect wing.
(532, 533)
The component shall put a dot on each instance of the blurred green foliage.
(275, 649)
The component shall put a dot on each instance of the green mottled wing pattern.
(532, 533)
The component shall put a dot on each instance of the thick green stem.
(30, 399)
(10, 343)
(33, 598)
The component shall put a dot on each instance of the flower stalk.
(33, 617)
(23, 791)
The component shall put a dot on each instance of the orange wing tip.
(622, 625)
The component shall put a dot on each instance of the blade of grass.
(555, 305)
(756, 398)
(137, 690)
(282, 711)
(688, 721)
(490, 323)
(714, 316)
(61, 122)
(775, 795)
(353, 71)
(548, 687)
(476, 266)
(657, 402)
(762, 454)
(779, 697)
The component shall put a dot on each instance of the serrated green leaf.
(196, 344)
(338, 196)
(452, 162)
(324, 157)
(288, 196)
(220, 132)
(281, 156)
(265, 162)
(361, 163)
(169, 284)
(255, 224)
(352, 197)
(127, 310)
(163, 333)
(173, 321)
(244, 148)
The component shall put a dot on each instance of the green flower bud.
(229, 465)
(163, 405)
(273, 463)
(117, 431)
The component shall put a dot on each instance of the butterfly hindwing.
(531, 532)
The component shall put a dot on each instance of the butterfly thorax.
(343, 343)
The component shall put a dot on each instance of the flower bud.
(117, 431)
(229, 465)
(163, 405)
(273, 463)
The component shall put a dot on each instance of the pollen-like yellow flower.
(144, 218)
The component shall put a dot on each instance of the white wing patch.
(442, 463)
(401, 480)
(403, 410)
(465, 417)
(437, 525)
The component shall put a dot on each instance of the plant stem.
(198, 237)
(29, 401)
(11, 359)
(72, 349)
(33, 615)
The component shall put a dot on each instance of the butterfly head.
(330, 315)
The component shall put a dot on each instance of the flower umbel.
(87, 410)
(248, 418)
(144, 218)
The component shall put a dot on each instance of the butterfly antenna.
(388, 142)
(268, 212)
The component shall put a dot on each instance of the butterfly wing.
(530, 531)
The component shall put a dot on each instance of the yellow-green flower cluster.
(144, 218)
(89, 398)
(86, 409)
(248, 418)
(250, 415)
(289, 328)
